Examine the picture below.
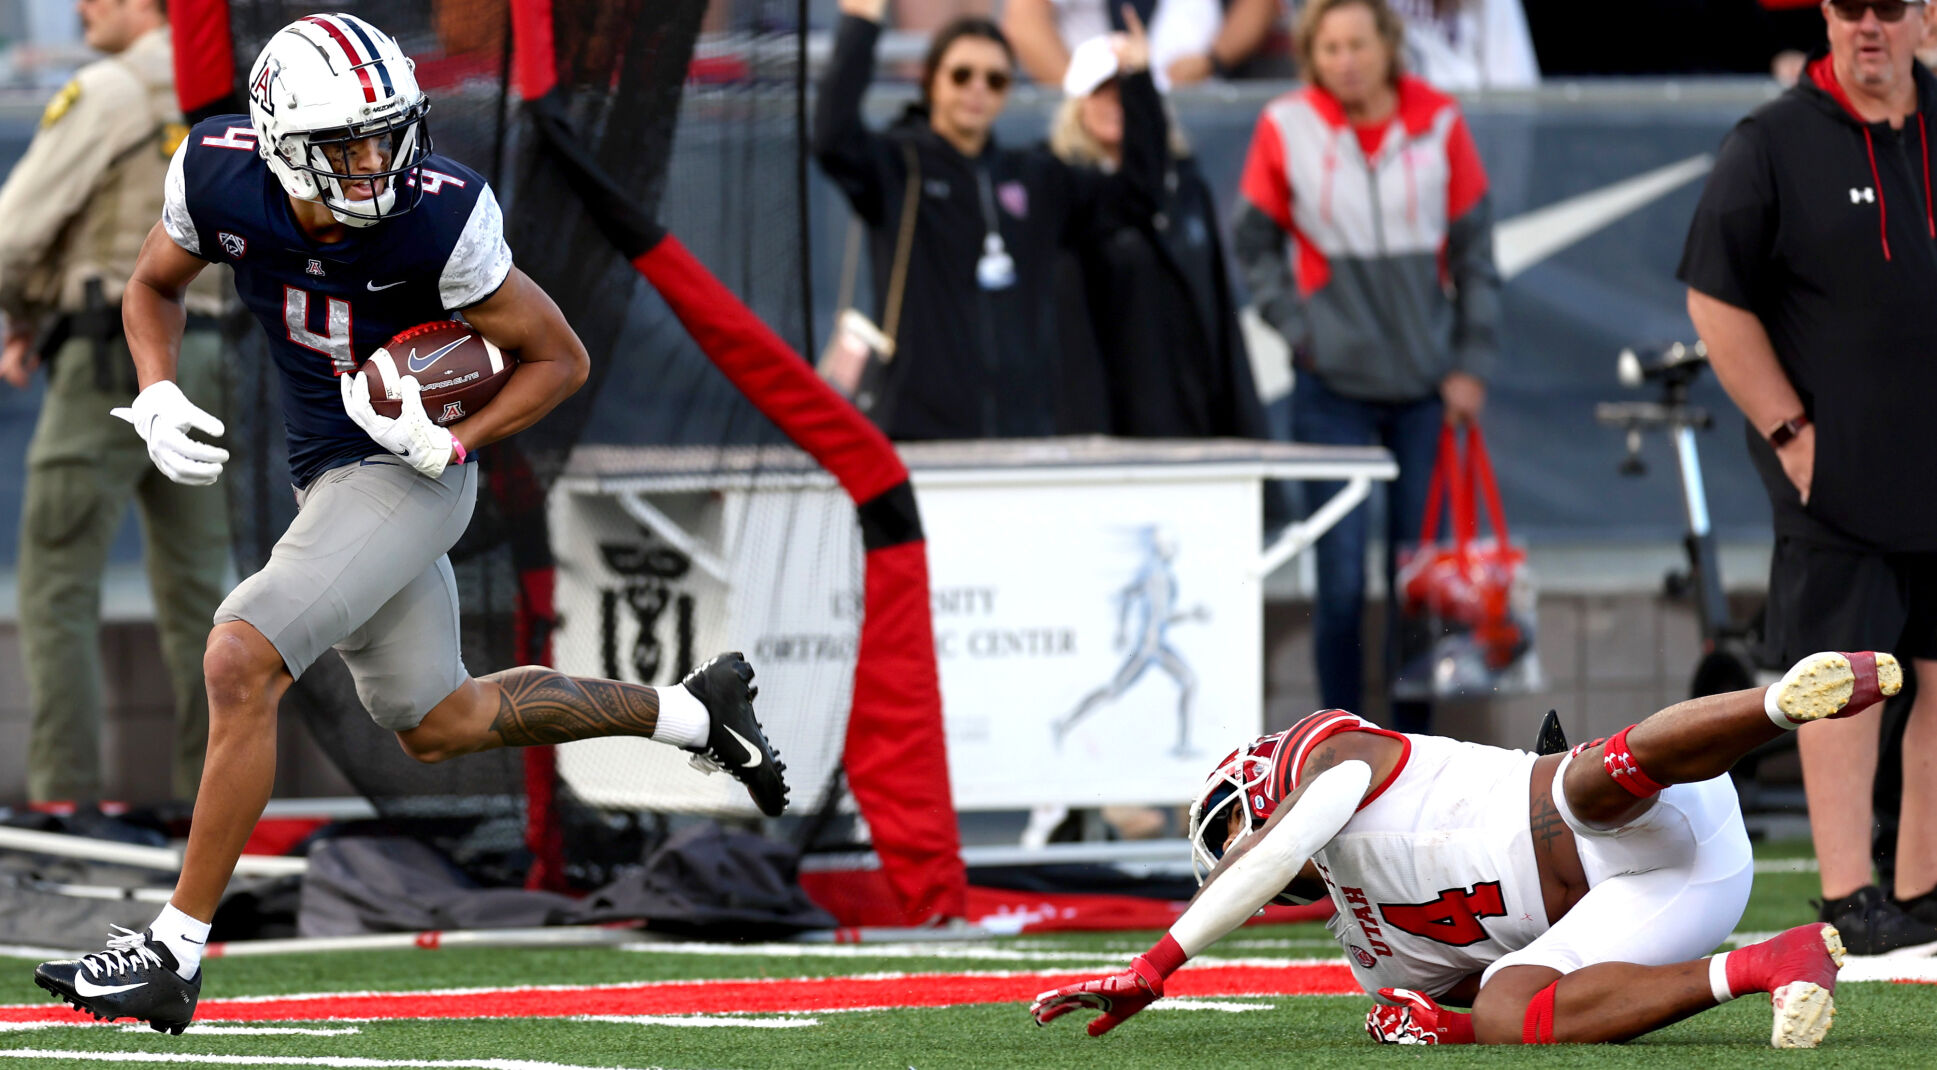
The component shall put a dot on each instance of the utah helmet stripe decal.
(369, 90)
(376, 57)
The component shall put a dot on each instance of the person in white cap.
(1158, 295)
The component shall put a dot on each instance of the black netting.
(699, 117)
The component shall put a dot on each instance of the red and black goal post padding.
(895, 753)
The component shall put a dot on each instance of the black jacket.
(1822, 225)
(1160, 298)
(969, 362)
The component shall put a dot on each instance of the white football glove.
(422, 444)
(162, 416)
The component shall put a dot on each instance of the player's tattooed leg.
(537, 706)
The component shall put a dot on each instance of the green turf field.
(1878, 1024)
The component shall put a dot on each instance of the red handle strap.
(1457, 485)
(1446, 478)
(1481, 473)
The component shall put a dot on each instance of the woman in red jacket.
(1365, 235)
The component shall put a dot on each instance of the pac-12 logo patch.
(1363, 957)
(453, 410)
(233, 244)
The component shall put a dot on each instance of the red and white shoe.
(1832, 684)
(1798, 970)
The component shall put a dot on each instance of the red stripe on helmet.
(343, 41)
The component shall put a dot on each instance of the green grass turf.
(1878, 1024)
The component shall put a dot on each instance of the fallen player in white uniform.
(1569, 898)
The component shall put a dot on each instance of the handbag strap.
(897, 282)
(1444, 487)
(1481, 472)
(850, 261)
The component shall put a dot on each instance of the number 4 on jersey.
(336, 321)
(1453, 918)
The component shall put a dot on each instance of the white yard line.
(700, 1020)
(1785, 865)
(335, 1061)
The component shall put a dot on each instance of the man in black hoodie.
(1812, 274)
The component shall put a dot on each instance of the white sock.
(1774, 711)
(1718, 978)
(184, 936)
(683, 721)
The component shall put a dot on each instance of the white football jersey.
(1434, 878)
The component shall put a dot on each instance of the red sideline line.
(713, 997)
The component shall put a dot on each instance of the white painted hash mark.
(1208, 1005)
(699, 1020)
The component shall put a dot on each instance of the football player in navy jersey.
(343, 228)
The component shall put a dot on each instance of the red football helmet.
(1247, 776)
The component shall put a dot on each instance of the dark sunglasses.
(1886, 10)
(998, 81)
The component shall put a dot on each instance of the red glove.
(1416, 1019)
(1118, 996)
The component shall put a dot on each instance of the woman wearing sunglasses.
(976, 351)
(1810, 266)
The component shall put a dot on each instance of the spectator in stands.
(1159, 298)
(1190, 40)
(1810, 264)
(1389, 297)
(1469, 44)
(978, 354)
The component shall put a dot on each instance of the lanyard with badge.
(996, 270)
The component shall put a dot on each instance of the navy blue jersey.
(327, 307)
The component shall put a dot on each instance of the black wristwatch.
(1787, 430)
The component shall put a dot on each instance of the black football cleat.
(134, 978)
(735, 742)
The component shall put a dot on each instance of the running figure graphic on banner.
(1152, 596)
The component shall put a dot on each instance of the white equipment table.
(1094, 599)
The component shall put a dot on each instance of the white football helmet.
(323, 84)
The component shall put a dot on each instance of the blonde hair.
(1391, 29)
(1072, 144)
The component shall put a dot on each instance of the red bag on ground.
(1468, 605)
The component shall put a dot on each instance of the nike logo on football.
(373, 287)
(88, 988)
(753, 753)
(418, 364)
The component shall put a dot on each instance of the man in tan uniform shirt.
(73, 214)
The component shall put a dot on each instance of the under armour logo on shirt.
(1866, 195)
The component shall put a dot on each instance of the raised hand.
(1133, 47)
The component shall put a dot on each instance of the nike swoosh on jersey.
(418, 364)
(753, 752)
(88, 988)
(373, 287)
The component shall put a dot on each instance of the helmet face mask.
(323, 85)
(1240, 782)
(330, 159)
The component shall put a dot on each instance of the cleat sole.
(1804, 1011)
(1824, 687)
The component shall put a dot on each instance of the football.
(456, 368)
